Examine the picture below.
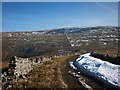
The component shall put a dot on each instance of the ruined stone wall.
(18, 67)
(23, 66)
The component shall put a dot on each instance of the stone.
(10, 86)
(37, 60)
(24, 77)
(5, 85)
(18, 67)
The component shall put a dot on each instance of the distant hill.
(61, 40)
(79, 29)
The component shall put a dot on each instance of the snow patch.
(102, 69)
(72, 66)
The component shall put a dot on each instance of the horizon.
(31, 16)
(58, 28)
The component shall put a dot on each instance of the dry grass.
(47, 75)
(29, 45)
(4, 66)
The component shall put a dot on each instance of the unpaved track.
(71, 81)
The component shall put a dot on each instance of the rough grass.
(4, 66)
(21, 45)
(47, 75)
(112, 57)
(27, 44)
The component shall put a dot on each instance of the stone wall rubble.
(19, 67)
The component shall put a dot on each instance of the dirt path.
(71, 81)
(54, 74)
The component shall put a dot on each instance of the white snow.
(72, 66)
(35, 32)
(72, 45)
(85, 40)
(102, 69)
(9, 35)
(104, 43)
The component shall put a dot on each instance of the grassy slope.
(53, 74)
(47, 75)
(33, 45)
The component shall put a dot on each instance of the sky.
(34, 16)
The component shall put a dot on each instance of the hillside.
(99, 39)
(51, 74)
(30, 47)
(63, 40)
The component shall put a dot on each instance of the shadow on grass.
(113, 60)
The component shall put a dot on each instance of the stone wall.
(23, 66)
(19, 67)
